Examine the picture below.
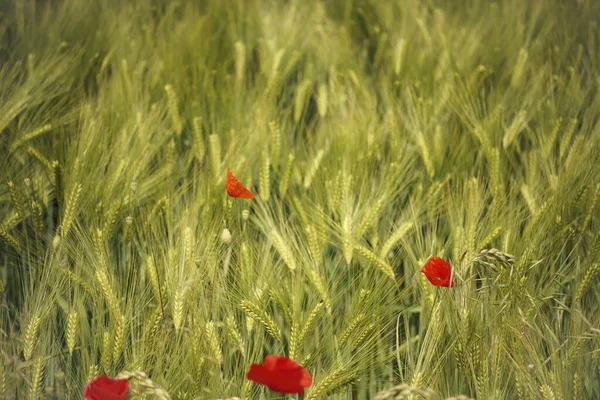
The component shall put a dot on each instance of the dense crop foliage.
(374, 134)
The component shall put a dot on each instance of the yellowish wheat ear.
(31, 337)
(173, 106)
(240, 62)
(72, 330)
(29, 136)
(199, 148)
(265, 177)
(106, 356)
(514, 129)
(285, 178)
(37, 378)
(119, 338)
(519, 69)
(322, 99)
(284, 250)
(275, 142)
(258, 314)
(313, 168)
(333, 382)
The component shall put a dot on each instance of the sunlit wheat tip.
(178, 303)
(173, 106)
(519, 68)
(313, 243)
(587, 280)
(302, 95)
(322, 99)
(514, 129)
(265, 177)
(283, 249)
(240, 61)
(285, 178)
(275, 142)
(398, 55)
(72, 329)
(314, 167)
(30, 135)
(15, 198)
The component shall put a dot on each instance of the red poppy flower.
(438, 271)
(281, 375)
(105, 388)
(235, 188)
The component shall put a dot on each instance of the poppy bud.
(56, 242)
(226, 236)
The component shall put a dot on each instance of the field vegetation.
(374, 134)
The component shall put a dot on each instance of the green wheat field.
(375, 134)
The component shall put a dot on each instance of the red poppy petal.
(259, 374)
(282, 362)
(235, 188)
(270, 362)
(286, 383)
(280, 374)
(438, 272)
(305, 379)
(106, 388)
